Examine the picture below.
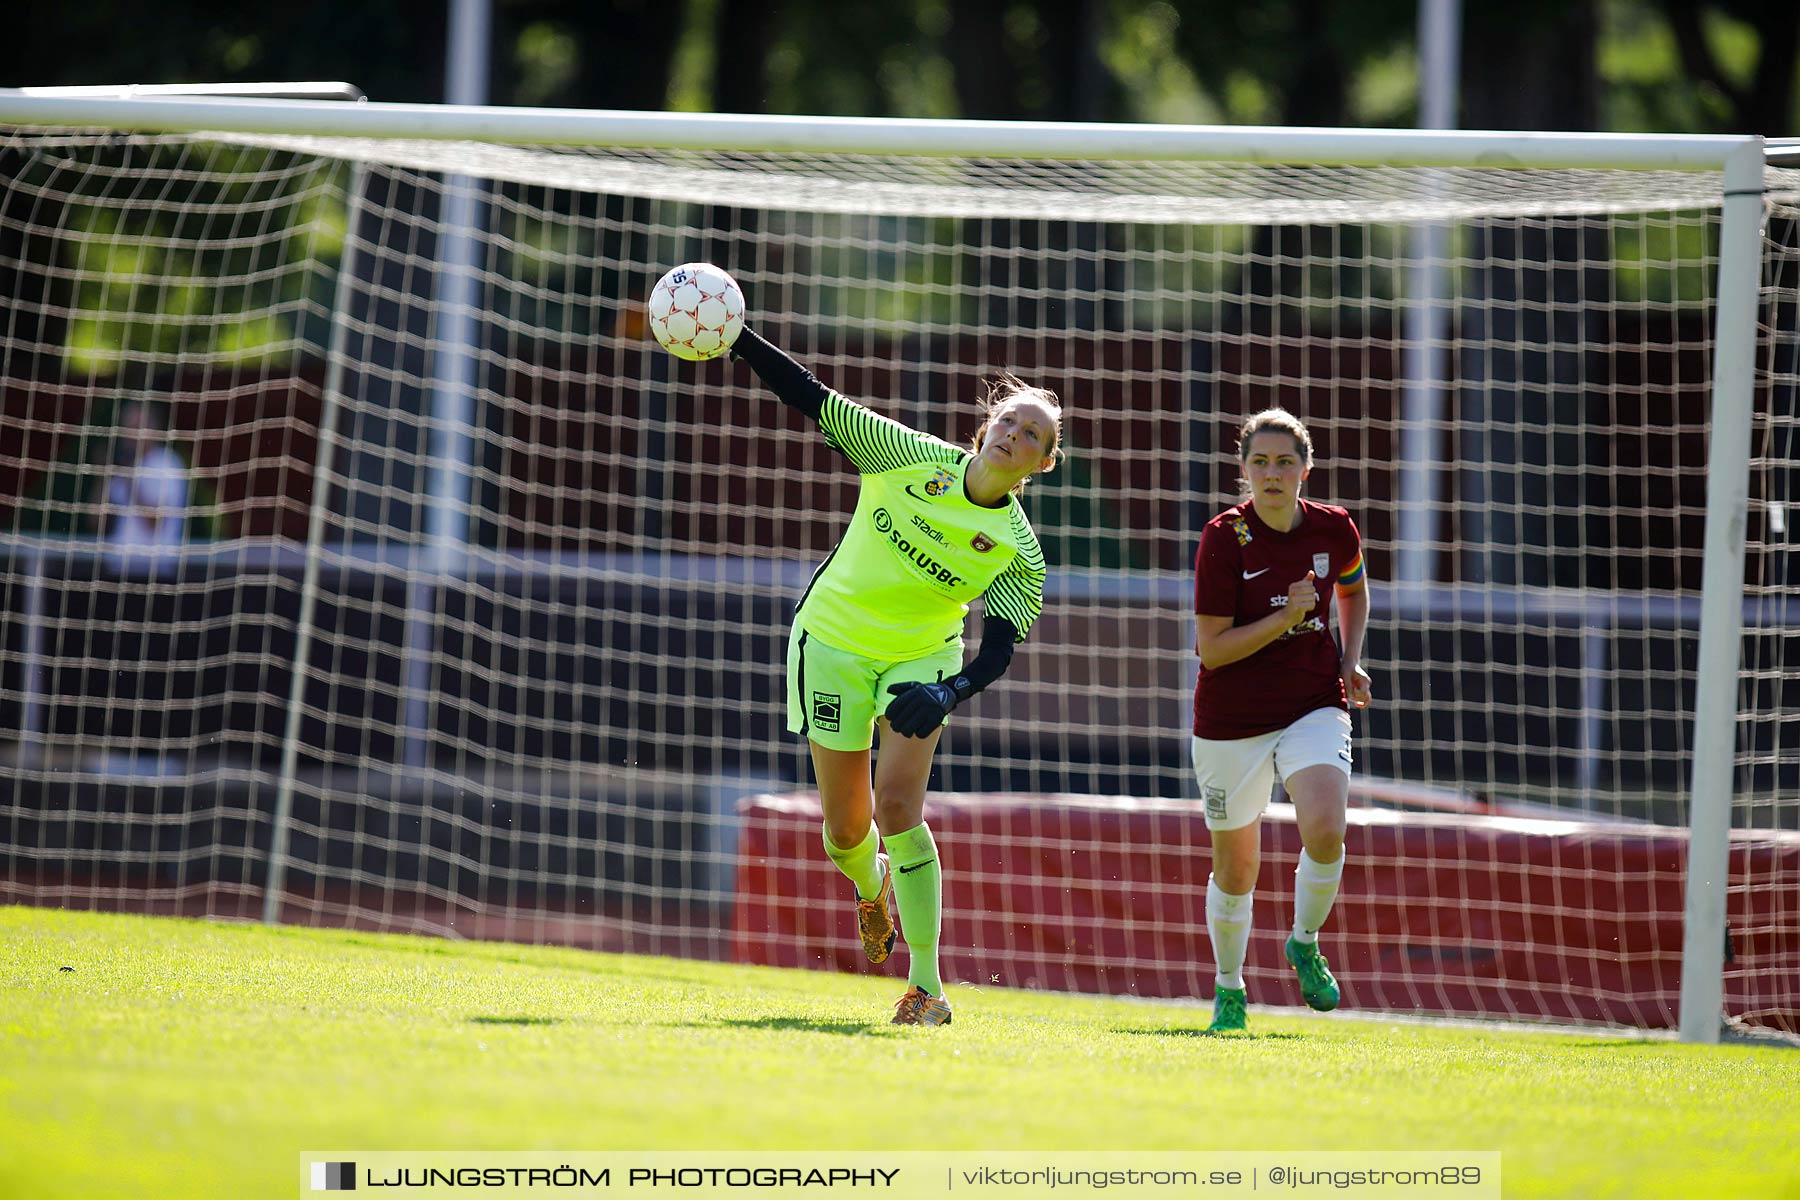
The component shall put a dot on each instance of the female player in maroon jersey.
(1273, 695)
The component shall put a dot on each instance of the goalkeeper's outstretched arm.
(794, 384)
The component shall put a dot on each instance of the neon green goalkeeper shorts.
(834, 696)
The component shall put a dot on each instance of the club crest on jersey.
(1241, 527)
(940, 482)
(1321, 565)
(983, 543)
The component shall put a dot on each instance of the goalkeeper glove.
(919, 708)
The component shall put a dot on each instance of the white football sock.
(1228, 924)
(1315, 888)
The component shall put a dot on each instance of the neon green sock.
(919, 891)
(858, 863)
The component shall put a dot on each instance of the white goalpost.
(476, 627)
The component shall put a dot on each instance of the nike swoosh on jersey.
(1254, 574)
(915, 495)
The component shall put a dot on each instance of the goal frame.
(1740, 161)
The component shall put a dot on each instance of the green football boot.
(1228, 1011)
(1317, 985)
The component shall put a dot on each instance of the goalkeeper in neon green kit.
(877, 638)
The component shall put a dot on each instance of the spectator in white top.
(144, 498)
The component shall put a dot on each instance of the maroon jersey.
(1243, 570)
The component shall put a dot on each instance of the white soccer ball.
(696, 311)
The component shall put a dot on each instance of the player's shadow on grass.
(515, 1020)
(842, 1028)
(1246, 1035)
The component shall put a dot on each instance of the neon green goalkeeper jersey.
(918, 550)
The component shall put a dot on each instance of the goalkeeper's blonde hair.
(1005, 388)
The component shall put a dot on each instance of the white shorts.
(1237, 777)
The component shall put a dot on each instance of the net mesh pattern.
(538, 575)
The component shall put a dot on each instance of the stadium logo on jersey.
(828, 710)
(983, 543)
(1321, 565)
(1241, 527)
(919, 556)
(925, 527)
(940, 482)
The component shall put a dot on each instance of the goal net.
(474, 616)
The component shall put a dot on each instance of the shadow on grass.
(515, 1020)
(842, 1028)
(1242, 1035)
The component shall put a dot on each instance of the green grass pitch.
(184, 1057)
